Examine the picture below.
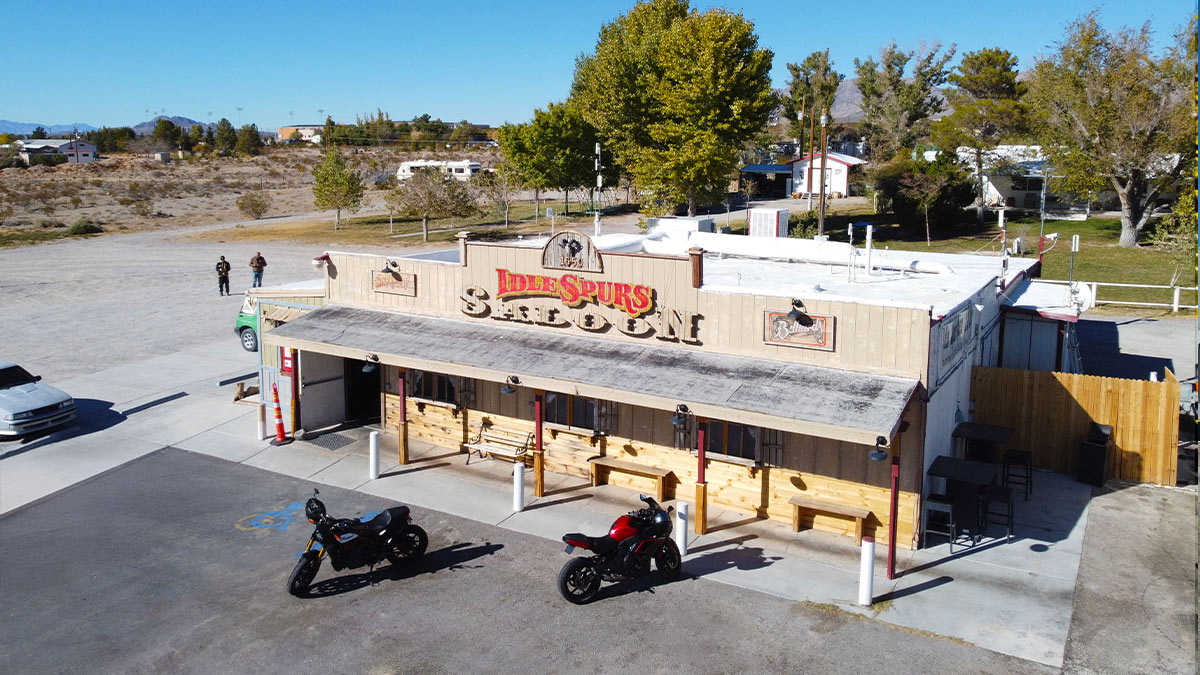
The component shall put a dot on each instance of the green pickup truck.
(307, 293)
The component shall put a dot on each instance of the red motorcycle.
(624, 553)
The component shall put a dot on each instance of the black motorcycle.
(351, 543)
(624, 553)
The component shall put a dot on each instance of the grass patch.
(1099, 259)
(374, 229)
(10, 238)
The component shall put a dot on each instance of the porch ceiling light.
(510, 385)
(799, 313)
(372, 362)
(389, 266)
(878, 454)
(680, 417)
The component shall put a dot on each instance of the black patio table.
(964, 478)
(982, 441)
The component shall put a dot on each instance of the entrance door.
(362, 392)
(322, 390)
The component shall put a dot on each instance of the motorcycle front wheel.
(408, 546)
(668, 561)
(578, 581)
(303, 574)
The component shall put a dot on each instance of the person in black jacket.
(222, 276)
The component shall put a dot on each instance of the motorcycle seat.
(598, 544)
(381, 522)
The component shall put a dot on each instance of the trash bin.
(1093, 455)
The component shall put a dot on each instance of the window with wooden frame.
(432, 387)
(733, 440)
(568, 410)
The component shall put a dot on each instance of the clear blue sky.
(489, 62)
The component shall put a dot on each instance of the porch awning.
(1050, 301)
(836, 404)
(281, 314)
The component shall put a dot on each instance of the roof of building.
(767, 168)
(789, 267)
(50, 143)
(848, 160)
(1051, 301)
(814, 400)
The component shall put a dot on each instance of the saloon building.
(719, 369)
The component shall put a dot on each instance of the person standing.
(222, 276)
(257, 263)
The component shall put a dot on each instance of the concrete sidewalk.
(1015, 598)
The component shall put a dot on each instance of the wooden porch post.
(701, 485)
(895, 505)
(539, 464)
(403, 422)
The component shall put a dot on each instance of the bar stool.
(942, 506)
(1018, 470)
(997, 494)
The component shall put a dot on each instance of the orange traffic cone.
(280, 437)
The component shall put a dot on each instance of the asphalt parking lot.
(166, 564)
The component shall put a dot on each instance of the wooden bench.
(500, 442)
(858, 513)
(659, 475)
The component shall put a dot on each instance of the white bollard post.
(866, 573)
(1154, 376)
(681, 527)
(374, 465)
(1175, 301)
(518, 487)
(262, 421)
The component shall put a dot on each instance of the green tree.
(465, 131)
(917, 191)
(988, 106)
(812, 84)
(210, 138)
(166, 132)
(500, 188)
(7, 138)
(428, 193)
(1110, 115)
(196, 134)
(225, 138)
(676, 93)
(39, 133)
(896, 109)
(525, 159)
(249, 143)
(336, 186)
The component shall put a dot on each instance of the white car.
(27, 405)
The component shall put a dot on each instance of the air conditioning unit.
(768, 222)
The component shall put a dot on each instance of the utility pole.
(811, 135)
(599, 186)
(824, 144)
(800, 121)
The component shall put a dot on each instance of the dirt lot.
(137, 193)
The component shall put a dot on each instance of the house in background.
(838, 170)
(773, 180)
(75, 151)
(309, 133)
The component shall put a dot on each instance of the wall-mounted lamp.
(389, 266)
(799, 313)
(679, 419)
(510, 385)
(878, 454)
(372, 362)
(320, 260)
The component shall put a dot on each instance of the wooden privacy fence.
(1052, 412)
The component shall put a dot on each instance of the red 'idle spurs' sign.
(574, 291)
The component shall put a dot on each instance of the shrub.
(803, 225)
(47, 160)
(143, 208)
(82, 227)
(254, 204)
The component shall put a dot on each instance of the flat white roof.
(804, 268)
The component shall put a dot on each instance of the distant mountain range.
(145, 128)
(26, 128)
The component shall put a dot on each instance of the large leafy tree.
(249, 143)
(988, 105)
(428, 193)
(564, 147)
(166, 133)
(336, 186)
(500, 188)
(225, 137)
(676, 92)
(1111, 115)
(896, 108)
(812, 84)
(524, 158)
